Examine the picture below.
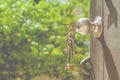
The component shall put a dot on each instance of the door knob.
(85, 26)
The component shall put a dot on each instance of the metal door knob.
(85, 26)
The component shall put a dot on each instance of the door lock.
(85, 26)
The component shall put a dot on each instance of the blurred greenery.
(33, 37)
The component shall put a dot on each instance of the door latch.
(85, 26)
(86, 66)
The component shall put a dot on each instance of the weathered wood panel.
(112, 37)
(95, 47)
(105, 51)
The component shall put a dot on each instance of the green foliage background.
(33, 37)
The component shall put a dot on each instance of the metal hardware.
(85, 26)
(84, 67)
(87, 68)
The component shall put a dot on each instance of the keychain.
(70, 47)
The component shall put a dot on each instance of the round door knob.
(85, 26)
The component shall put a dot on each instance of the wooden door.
(105, 52)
